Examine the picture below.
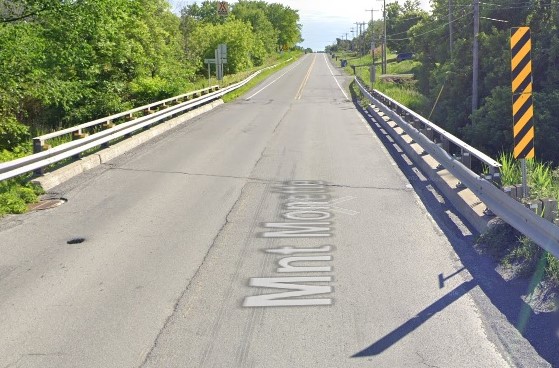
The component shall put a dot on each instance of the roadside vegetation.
(437, 71)
(441, 89)
(66, 62)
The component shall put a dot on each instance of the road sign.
(222, 8)
(522, 103)
(209, 61)
(222, 49)
(222, 52)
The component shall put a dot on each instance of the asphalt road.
(274, 231)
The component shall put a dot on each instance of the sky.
(325, 20)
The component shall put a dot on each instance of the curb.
(463, 200)
(59, 176)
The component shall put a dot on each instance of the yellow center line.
(300, 92)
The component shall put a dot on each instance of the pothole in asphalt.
(75, 241)
(46, 204)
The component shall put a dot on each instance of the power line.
(432, 30)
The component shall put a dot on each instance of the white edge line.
(333, 76)
(272, 82)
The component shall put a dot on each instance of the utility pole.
(450, 28)
(384, 59)
(363, 28)
(357, 33)
(372, 32)
(475, 97)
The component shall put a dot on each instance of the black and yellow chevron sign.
(522, 103)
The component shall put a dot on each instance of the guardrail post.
(549, 209)
(107, 125)
(466, 159)
(496, 174)
(520, 191)
(535, 206)
(429, 133)
(509, 191)
(39, 146)
(445, 144)
(150, 111)
(78, 135)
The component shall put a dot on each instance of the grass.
(204, 83)
(281, 63)
(500, 241)
(524, 256)
(521, 253)
(16, 194)
(403, 89)
(542, 179)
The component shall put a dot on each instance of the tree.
(285, 21)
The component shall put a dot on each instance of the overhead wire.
(430, 31)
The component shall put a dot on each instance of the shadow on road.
(540, 329)
(393, 337)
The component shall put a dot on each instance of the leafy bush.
(16, 194)
(12, 133)
(149, 89)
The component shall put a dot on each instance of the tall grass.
(404, 91)
(543, 183)
(541, 179)
(510, 170)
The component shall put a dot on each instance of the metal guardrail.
(64, 151)
(39, 142)
(440, 136)
(542, 232)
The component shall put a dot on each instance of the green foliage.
(15, 195)
(66, 62)
(255, 13)
(402, 89)
(282, 61)
(401, 18)
(552, 268)
(510, 170)
(63, 63)
(498, 239)
(284, 19)
(240, 40)
(12, 133)
(540, 179)
(524, 255)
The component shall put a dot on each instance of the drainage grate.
(47, 204)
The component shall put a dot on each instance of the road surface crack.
(194, 276)
(403, 189)
(212, 244)
(424, 361)
(251, 178)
